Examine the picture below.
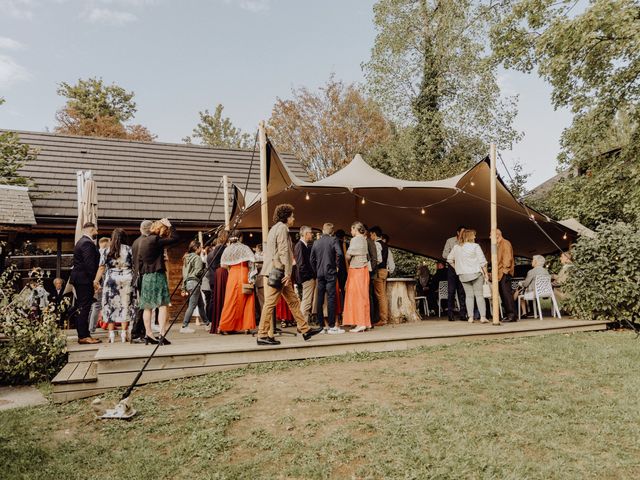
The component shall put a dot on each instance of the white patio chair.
(443, 294)
(425, 304)
(542, 289)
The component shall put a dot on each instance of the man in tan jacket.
(278, 253)
(506, 268)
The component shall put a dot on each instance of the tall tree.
(327, 128)
(430, 71)
(98, 110)
(589, 55)
(13, 156)
(218, 131)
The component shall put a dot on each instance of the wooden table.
(401, 293)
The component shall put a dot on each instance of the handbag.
(275, 278)
(247, 288)
(486, 290)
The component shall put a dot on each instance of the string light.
(473, 184)
(362, 201)
(423, 211)
(251, 234)
(564, 237)
(306, 197)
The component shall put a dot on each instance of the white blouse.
(467, 258)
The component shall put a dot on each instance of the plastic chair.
(425, 304)
(542, 289)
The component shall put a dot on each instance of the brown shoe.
(89, 341)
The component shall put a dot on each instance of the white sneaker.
(335, 331)
(359, 329)
(186, 330)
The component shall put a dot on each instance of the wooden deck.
(94, 369)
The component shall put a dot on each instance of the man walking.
(302, 252)
(453, 281)
(326, 254)
(85, 266)
(506, 268)
(380, 276)
(278, 255)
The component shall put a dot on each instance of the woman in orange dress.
(356, 301)
(239, 311)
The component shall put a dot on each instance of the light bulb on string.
(473, 184)
(306, 197)
(362, 201)
(250, 234)
(564, 237)
(423, 211)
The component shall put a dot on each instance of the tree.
(327, 128)
(98, 110)
(218, 131)
(13, 156)
(431, 74)
(590, 58)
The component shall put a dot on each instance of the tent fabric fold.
(418, 216)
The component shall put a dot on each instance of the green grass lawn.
(559, 406)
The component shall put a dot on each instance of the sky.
(182, 56)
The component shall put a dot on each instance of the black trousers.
(326, 284)
(506, 294)
(373, 303)
(455, 285)
(208, 296)
(84, 294)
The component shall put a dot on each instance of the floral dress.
(117, 303)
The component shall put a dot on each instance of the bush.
(32, 348)
(603, 285)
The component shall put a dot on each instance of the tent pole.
(495, 297)
(225, 189)
(264, 205)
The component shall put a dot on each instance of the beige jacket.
(278, 252)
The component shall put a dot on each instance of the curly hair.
(282, 213)
(160, 229)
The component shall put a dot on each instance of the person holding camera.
(277, 267)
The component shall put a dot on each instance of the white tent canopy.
(417, 216)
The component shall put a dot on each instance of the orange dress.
(239, 311)
(356, 300)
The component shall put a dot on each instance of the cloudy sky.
(182, 56)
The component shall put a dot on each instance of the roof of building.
(139, 180)
(15, 206)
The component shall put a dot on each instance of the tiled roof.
(138, 180)
(15, 206)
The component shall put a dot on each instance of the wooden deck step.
(77, 372)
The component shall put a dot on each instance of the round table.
(401, 293)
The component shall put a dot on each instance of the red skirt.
(283, 314)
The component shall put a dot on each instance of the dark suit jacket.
(55, 296)
(136, 261)
(304, 269)
(86, 258)
(325, 254)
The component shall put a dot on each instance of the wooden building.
(136, 181)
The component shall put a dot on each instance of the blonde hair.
(159, 228)
(468, 235)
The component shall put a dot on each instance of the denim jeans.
(195, 300)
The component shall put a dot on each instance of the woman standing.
(155, 289)
(192, 270)
(356, 302)
(239, 312)
(115, 266)
(471, 267)
(217, 280)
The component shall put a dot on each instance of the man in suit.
(85, 266)
(57, 296)
(325, 255)
(506, 268)
(137, 328)
(380, 276)
(278, 254)
(302, 252)
(454, 283)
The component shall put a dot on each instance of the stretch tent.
(417, 216)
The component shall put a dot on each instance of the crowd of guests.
(323, 283)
